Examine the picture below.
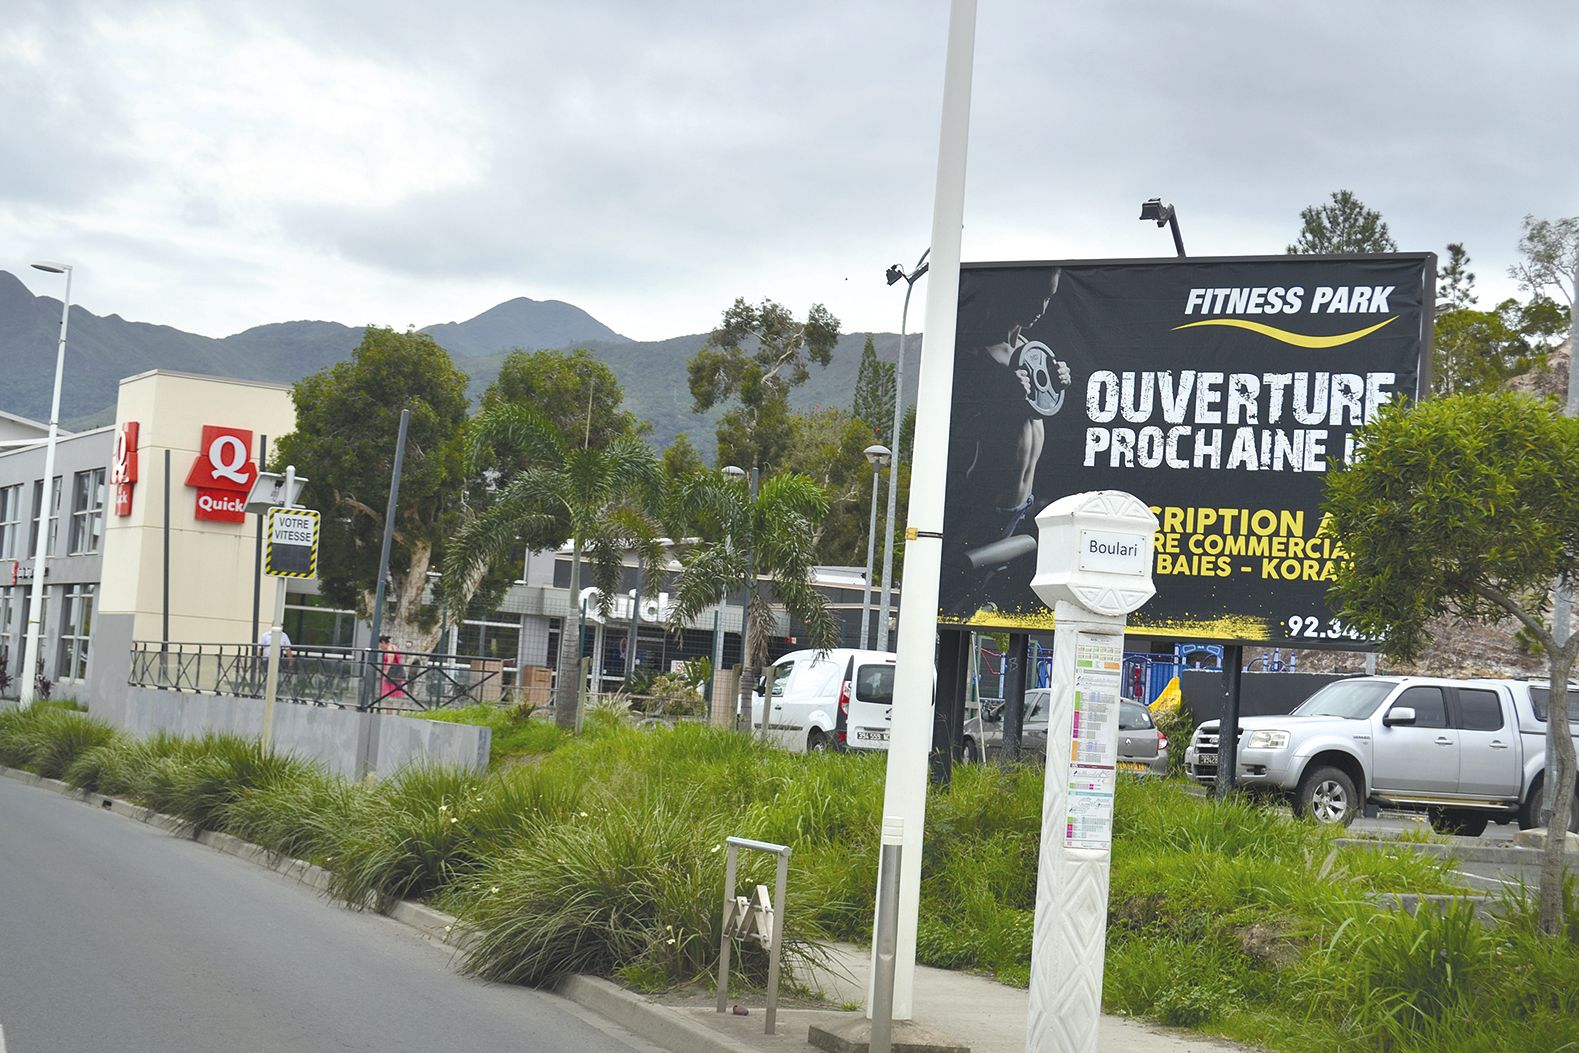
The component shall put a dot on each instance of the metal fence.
(345, 677)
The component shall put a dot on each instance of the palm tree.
(602, 499)
(745, 541)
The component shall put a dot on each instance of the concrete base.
(855, 1036)
(1536, 838)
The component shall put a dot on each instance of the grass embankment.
(604, 857)
(516, 733)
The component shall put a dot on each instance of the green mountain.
(102, 350)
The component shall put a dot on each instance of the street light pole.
(736, 474)
(35, 614)
(878, 455)
(894, 274)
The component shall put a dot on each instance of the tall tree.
(828, 446)
(1551, 257)
(745, 542)
(1455, 287)
(347, 420)
(1343, 224)
(754, 357)
(1475, 350)
(1465, 505)
(874, 394)
(680, 458)
(603, 499)
(580, 396)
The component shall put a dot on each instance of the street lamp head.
(879, 455)
(51, 267)
(1154, 209)
(734, 472)
(895, 273)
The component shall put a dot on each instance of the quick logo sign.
(223, 474)
(123, 470)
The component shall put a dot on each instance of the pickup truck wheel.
(1328, 796)
(1460, 821)
(1530, 810)
(972, 752)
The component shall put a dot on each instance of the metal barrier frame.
(320, 676)
(735, 844)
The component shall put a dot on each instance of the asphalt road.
(116, 936)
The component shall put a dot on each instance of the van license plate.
(871, 735)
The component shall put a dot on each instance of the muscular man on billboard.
(1016, 384)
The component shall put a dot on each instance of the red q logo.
(123, 472)
(223, 473)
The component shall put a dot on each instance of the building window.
(54, 518)
(10, 618)
(496, 638)
(10, 520)
(87, 511)
(76, 625)
(312, 621)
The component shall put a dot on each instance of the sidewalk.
(973, 1011)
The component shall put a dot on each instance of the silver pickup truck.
(1467, 752)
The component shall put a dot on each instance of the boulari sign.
(223, 474)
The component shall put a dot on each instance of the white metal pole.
(905, 787)
(886, 604)
(871, 551)
(35, 612)
(276, 630)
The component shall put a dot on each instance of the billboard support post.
(1228, 727)
(1093, 569)
(905, 786)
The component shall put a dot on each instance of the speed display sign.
(290, 543)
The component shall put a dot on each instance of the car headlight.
(1267, 740)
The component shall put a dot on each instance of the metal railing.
(322, 676)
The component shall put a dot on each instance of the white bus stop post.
(1094, 560)
(905, 787)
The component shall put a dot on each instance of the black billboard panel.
(1218, 391)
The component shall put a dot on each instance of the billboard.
(1218, 391)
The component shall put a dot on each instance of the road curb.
(1462, 852)
(651, 1020)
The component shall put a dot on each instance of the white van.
(837, 699)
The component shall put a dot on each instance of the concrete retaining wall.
(332, 738)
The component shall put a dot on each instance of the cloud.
(220, 165)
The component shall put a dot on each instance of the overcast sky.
(215, 166)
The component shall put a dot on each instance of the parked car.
(1141, 747)
(1466, 752)
(837, 699)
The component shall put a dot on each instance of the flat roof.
(206, 376)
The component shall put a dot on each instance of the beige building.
(207, 430)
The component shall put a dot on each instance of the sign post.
(1094, 560)
(290, 550)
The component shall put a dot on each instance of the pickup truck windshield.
(1349, 699)
(1540, 696)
